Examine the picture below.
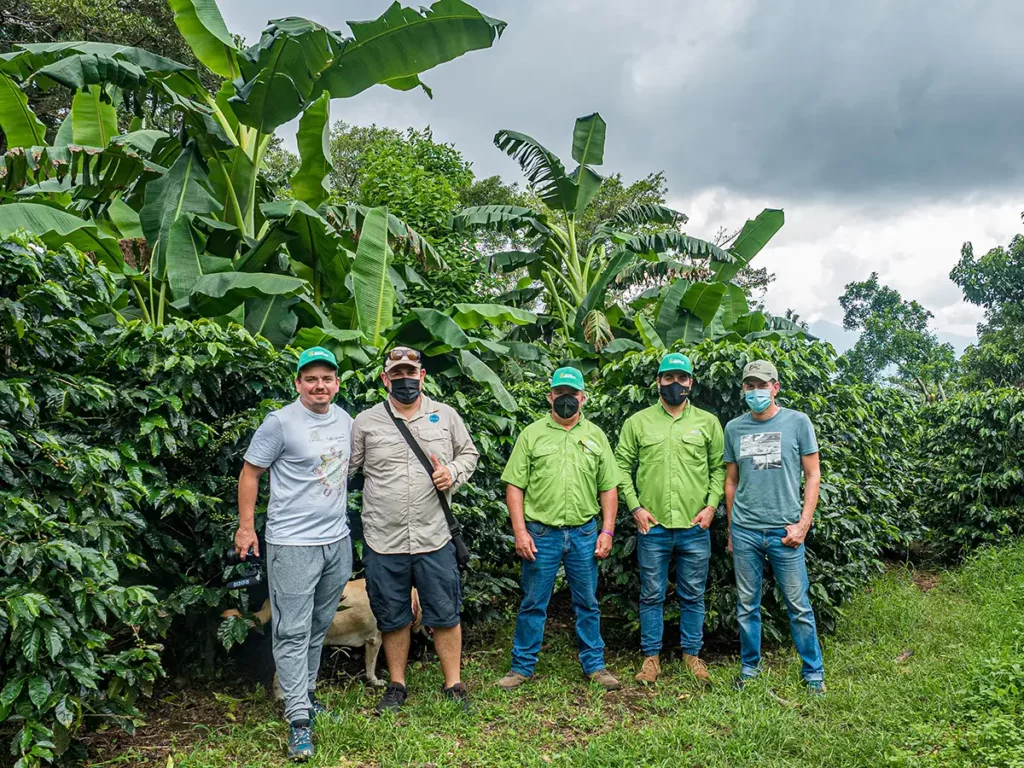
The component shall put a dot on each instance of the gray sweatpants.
(306, 584)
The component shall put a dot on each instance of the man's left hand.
(442, 477)
(795, 535)
(604, 546)
(704, 518)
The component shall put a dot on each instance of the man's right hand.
(525, 547)
(644, 520)
(244, 539)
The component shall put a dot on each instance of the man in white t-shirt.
(306, 446)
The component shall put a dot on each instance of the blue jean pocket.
(536, 529)
(588, 529)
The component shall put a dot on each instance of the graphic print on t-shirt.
(332, 473)
(764, 449)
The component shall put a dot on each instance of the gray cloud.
(793, 98)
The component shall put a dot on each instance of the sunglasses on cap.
(400, 353)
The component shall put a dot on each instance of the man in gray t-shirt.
(306, 446)
(766, 452)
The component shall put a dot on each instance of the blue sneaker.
(300, 743)
(317, 710)
(816, 687)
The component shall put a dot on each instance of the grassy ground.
(917, 676)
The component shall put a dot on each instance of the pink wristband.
(608, 533)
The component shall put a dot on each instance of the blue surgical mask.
(758, 399)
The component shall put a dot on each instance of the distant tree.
(894, 332)
(996, 282)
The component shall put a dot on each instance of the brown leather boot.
(699, 669)
(605, 679)
(511, 681)
(650, 671)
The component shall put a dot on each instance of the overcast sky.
(888, 131)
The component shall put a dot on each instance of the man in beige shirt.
(407, 539)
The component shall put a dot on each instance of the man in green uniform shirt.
(681, 477)
(559, 468)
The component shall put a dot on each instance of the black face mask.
(405, 391)
(566, 406)
(674, 393)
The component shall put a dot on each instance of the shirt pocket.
(652, 448)
(693, 450)
(384, 449)
(545, 462)
(435, 440)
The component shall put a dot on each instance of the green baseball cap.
(568, 377)
(674, 361)
(316, 355)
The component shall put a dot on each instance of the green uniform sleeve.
(608, 475)
(626, 453)
(517, 471)
(716, 464)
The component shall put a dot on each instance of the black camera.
(251, 576)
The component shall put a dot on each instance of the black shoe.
(458, 694)
(393, 699)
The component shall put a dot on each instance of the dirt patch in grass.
(174, 721)
(926, 581)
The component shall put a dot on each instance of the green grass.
(915, 678)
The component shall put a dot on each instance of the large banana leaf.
(752, 322)
(470, 316)
(430, 330)
(498, 218)
(281, 73)
(56, 228)
(594, 298)
(588, 140)
(703, 300)
(272, 319)
(203, 28)
(92, 176)
(374, 294)
(633, 216)
(166, 218)
(348, 219)
(29, 57)
(479, 371)
(589, 182)
(309, 183)
(219, 294)
(93, 121)
(84, 69)
(668, 311)
(231, 178)
(677, 322)
(651, 245)
(510, 261)
(313, 243)
(647, 332)
(403, 42)
(752, 238)
(19, 123)
(544, 171)
(347, 345)
(734, 304)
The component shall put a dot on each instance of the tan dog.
(353, 626)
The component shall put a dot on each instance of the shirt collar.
(549, 420)
(427, 406)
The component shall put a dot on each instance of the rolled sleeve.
(358, 447)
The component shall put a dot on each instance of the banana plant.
(577, 275)
(184, 185)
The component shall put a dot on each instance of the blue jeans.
(575, 548)
(749, 550)
(691, 550)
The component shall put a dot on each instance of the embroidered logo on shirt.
(434, 418)
(764, 449)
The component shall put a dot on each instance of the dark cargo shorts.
(389, 583)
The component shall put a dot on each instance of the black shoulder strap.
(453, 524)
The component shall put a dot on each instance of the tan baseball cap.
(760, 369)
(403, 356)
